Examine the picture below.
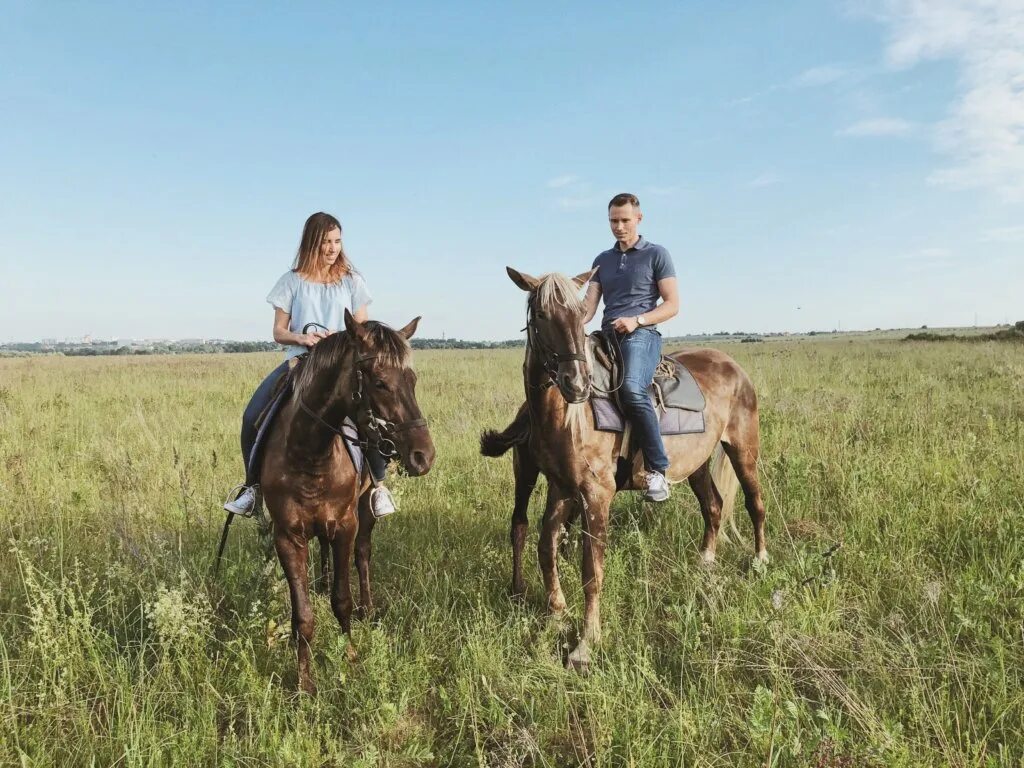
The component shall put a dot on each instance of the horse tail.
(724, 477)
(494, 444)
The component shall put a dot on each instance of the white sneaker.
(381, 502)
(657, 487)
(245, 503)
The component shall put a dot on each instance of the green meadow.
(888, 629)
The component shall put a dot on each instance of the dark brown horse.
(554, 433)
(309, 482)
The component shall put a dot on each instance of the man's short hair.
(624, 198)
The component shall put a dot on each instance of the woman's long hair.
(307, 260)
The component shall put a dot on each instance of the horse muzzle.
(420, 454)
(574, 394)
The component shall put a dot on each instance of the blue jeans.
(641, 352)
(261, 399)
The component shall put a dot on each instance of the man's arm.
(591, 300)
(668, 308)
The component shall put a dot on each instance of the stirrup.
(235, 494)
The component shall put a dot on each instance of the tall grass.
(888, 629)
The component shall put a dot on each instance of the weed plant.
(888, 629)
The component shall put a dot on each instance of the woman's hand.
(310, 339)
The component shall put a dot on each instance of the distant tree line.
(1013, 333)
(73, 349)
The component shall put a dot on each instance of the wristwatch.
(640, 320)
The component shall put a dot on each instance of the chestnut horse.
(554, 433)
(309, 483)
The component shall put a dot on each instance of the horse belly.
(686, 454)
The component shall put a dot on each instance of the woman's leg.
(378, 465)
(260, 400)
(381, 502)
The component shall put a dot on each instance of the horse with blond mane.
(554, 433)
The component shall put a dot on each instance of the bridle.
(380, 434)
(550, 358)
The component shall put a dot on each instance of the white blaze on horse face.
(624, 220)
(330, 247)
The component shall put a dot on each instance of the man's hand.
(625, 324)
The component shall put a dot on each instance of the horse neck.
(547, 406)
(330, 402)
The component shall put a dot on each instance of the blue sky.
(808, 164)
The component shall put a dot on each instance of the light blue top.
(321, 303)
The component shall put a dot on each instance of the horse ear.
(523, 280)
(410, 329)
(353, 326)
(584, 277)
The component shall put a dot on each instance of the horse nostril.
(421, 461)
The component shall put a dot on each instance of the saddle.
(266, 419)
(675, 394)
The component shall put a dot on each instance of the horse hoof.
(761, 557)
(518, 593)
(351, 653)
(579, 661)
(307, 687)
(707, 558)
(556, 606)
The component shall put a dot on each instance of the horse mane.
(556, 289)
(384, 343)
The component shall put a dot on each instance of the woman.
(318, 289)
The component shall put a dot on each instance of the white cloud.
(984, 131)
(562, 181)
(879, 126)
(764, 180)
(927, 254)
(814, 77)
(927, 260)
(818, 76)
(667, 191)
(1003, 235)
(578, 202)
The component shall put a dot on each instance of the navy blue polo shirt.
(629, 280)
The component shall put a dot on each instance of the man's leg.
(641, 352)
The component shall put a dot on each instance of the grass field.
(903, 647)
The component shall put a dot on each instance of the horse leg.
(363, 553)
(710, 509)
(742, 451)
(594, 522)
(322, 582)
(294, 556)
(526, 478)
(547, 548)
(341, 589)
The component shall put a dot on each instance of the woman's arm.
(361, 315)
(284, 336)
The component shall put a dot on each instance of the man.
(631, 276)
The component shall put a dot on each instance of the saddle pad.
(680, 390)
(348, 427)
(674, 421)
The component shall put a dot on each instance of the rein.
(550, 359)
(381, 433)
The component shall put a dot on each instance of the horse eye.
(380, 385)
(541, 315)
